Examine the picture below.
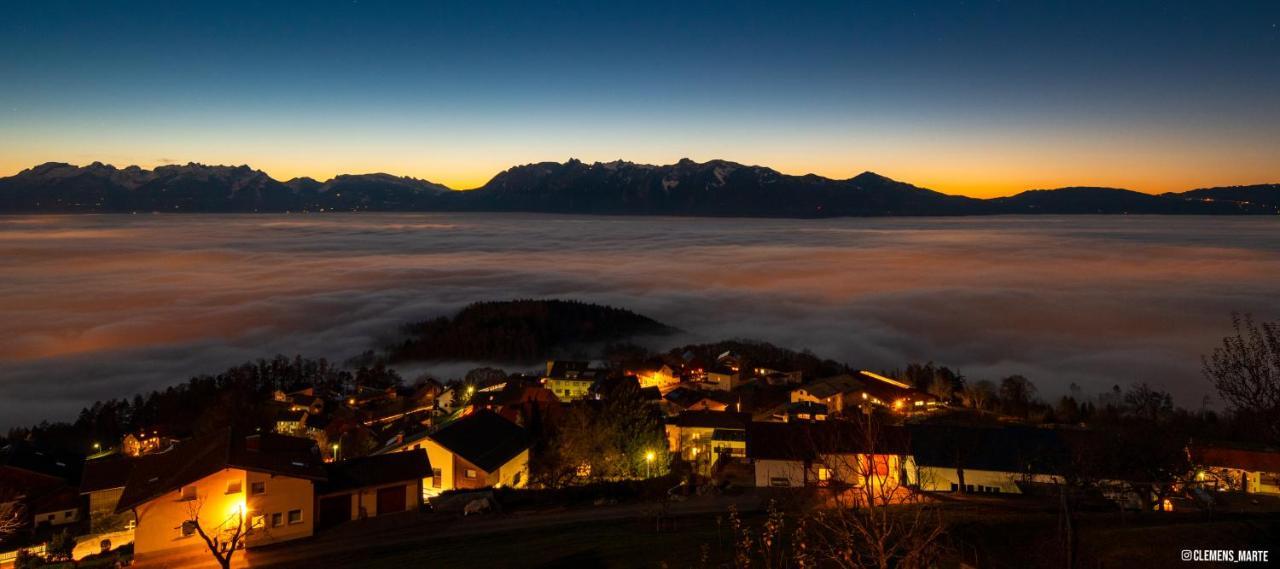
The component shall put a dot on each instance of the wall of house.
(1263, 483)
(481, 479)
(367, 498)
(102, 511)
(568, 390)
(56, 518)
(779, 473)
(160, 521)
(515, 473)
(282, 494)
(441, 458)
(940, 479)
(846, 468)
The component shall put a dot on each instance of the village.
(722, 425)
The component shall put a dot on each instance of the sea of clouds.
(95, 307)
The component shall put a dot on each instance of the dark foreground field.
(992, 533)
(1008, 533)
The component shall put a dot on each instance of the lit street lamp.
(335, 452)
(648, 461)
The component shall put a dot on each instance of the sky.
(978, 98)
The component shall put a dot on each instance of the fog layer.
(94, 307)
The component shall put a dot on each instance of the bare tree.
(872, 518)
(12, 519)
(1245, 370)
(223, 539)
(978, 395)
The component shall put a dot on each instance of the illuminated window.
(258, 521)
(824, 474)
(188, 493)
(469, 473)
(233, 487)
(256, 488)
(295, 517)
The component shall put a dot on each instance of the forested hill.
(521, 331)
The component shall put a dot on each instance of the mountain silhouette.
(686, 188)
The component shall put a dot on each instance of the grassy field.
(617, 543)
(999, 535)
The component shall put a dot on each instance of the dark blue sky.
(968, 97)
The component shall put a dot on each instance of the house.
(687, 399)
(723, 378)
(848, 392)
(776, 377)
(264, 481)
(290, 421)
(729, 359)
(829, 454)
(1254, 471)
(1004, 460)
(664, 377)
(703, 436)
(481, 450)
(41, 483)
(60, 507)
(836, 392)
(570, 380)
(146, 442)
(517, 402)
(371, 486)
(805, 411)
(103, 482)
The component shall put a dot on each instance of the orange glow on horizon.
(953, 177)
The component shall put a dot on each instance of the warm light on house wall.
(236, 509)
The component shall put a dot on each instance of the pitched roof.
(1003, 449)
(828, 386)
(572, 371)
(808, 440)
(23, 455)
(375, 470)
(154, 475)
(106, 473)
(1243, 459)
(687, 397)
(712, 420)
(484, 439)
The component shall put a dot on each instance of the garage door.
(335, 510)
(391, 500)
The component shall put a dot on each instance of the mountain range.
(713, 188)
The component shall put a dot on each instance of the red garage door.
(391, 500)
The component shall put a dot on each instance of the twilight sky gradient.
(981, 98)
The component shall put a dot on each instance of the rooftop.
(377, 470)
(154, 475)
(483, 439)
